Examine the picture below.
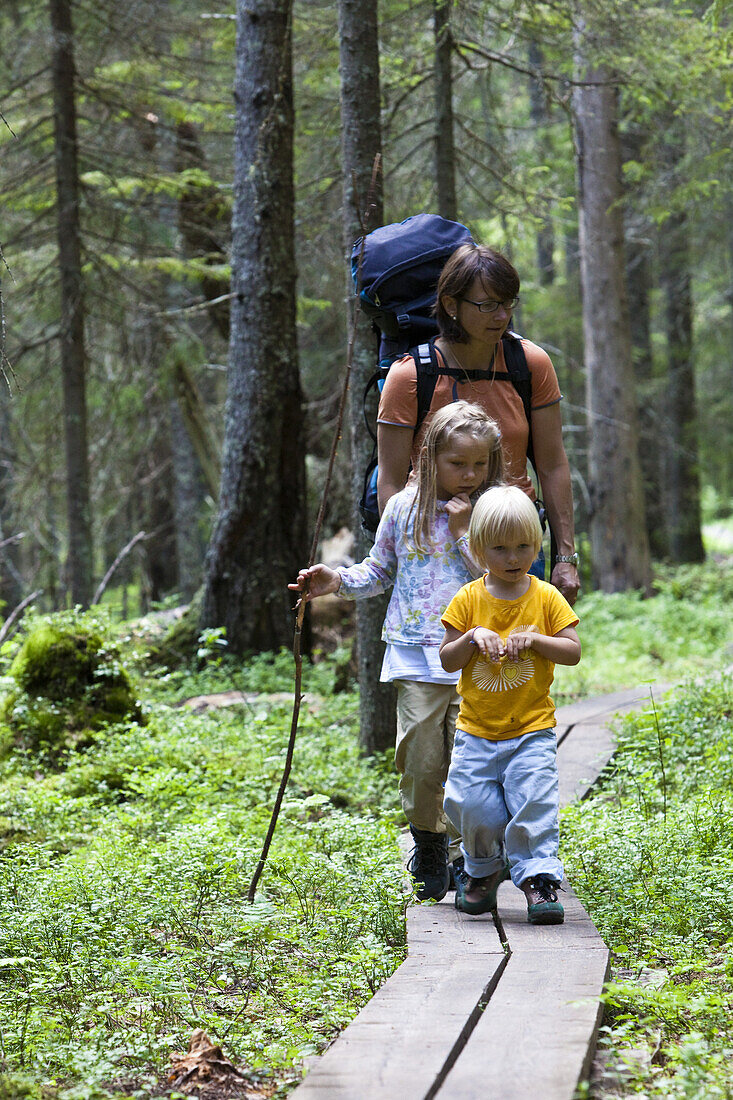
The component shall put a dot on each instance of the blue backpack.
(396, 273)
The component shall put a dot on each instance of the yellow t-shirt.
(504, 700)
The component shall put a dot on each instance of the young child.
(421, 549)
(507, 631)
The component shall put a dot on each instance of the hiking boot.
(478, 895)
(542, 904)
(428, 864)
(455, 870)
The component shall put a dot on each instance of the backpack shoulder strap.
(520, 377)
(518, 371)
(427, 369)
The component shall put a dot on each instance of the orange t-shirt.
(398, 403)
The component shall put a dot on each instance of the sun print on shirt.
(488, 676)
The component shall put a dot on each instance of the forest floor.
(125, 862)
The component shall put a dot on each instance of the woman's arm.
(553, 471)
(394, 448)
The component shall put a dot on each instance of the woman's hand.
(319, 580)
(565, 578)
(459, 510)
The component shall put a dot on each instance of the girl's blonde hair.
(501, 513)
(458, 418)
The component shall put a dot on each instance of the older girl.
(421, 549)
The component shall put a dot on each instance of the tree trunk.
(539, 118)
(682, 483)
(259, 540)
(649, 401)
(445, 154)
(11, 581)
(73, 359)
(361, 140)
(620, 549)
(187, 497)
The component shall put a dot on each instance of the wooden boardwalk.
(484, 1009)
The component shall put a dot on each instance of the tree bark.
(11, 581)
(445, 154)
(539, 118)
(682, 482)
(73, 357)
(650, 404)
(620, 549)
(259, 539)
(361, 140)
(187, 497)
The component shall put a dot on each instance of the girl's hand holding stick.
(317, 580)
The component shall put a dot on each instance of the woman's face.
(484, 328)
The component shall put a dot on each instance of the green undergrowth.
(125, 860)
(683, 630)
(649, 855)
(124, 872)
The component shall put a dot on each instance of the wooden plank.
(460, 1018)
(604, 706)
(581, 757)
(413, 1026)
(578, 930)
(537, 1035)
(435, 931)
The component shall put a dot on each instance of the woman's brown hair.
(467, 263)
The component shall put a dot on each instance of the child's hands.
(459, 510)
(516, 644)
(488, 643)
(319, 579)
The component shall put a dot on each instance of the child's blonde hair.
(458, 418)
(503, 512)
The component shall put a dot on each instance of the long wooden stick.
(300, 606)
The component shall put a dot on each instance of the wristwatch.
(571, 559)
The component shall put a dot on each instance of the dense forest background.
(118, 178)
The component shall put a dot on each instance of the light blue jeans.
(502, 797)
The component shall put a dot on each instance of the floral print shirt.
(424, 583)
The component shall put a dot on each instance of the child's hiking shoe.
(478, 895)
(428, 864)
(455, 870)
(542, 904)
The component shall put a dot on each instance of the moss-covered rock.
(70, 682)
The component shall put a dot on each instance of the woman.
(476, 294)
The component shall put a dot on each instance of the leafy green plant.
(123, 878)
(123, 874)
(649, 855)
(683, 630)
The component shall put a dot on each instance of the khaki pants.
(426, 724)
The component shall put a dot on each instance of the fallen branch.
(300, 606)
(118, 560)
(16, 613)
(12, 539)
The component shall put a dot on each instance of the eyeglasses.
(491, 306)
